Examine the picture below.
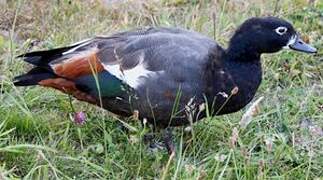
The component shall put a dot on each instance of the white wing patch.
(132, 76)
(80, 44)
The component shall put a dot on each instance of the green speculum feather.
(109, 85)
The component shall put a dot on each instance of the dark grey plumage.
(169, 75)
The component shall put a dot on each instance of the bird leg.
(168, 140)
(153, 144)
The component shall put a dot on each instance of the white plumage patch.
(291, 41)
(80, 44)
(132, 76)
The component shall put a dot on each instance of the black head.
(267, 35)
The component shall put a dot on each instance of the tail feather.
(42, 58)
(34, 76)
(45, 70)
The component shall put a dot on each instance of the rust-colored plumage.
(67, 86)
(79, 65)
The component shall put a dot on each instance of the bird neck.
(242, 49)
(229, 73)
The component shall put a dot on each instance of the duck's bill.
(300, 45)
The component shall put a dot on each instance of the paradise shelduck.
(169, 75)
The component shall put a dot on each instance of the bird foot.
(168, 141)
(153, 144)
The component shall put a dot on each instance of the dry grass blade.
(314, 130)
(1, 176)
(234, 137)
(135, 115)
(2, 78)
(170, 159)
(252, 111)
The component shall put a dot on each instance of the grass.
(38, 139)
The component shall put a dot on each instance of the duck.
(169, 76)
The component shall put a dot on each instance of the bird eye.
(281, 30)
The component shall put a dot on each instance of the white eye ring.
(281, 30)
